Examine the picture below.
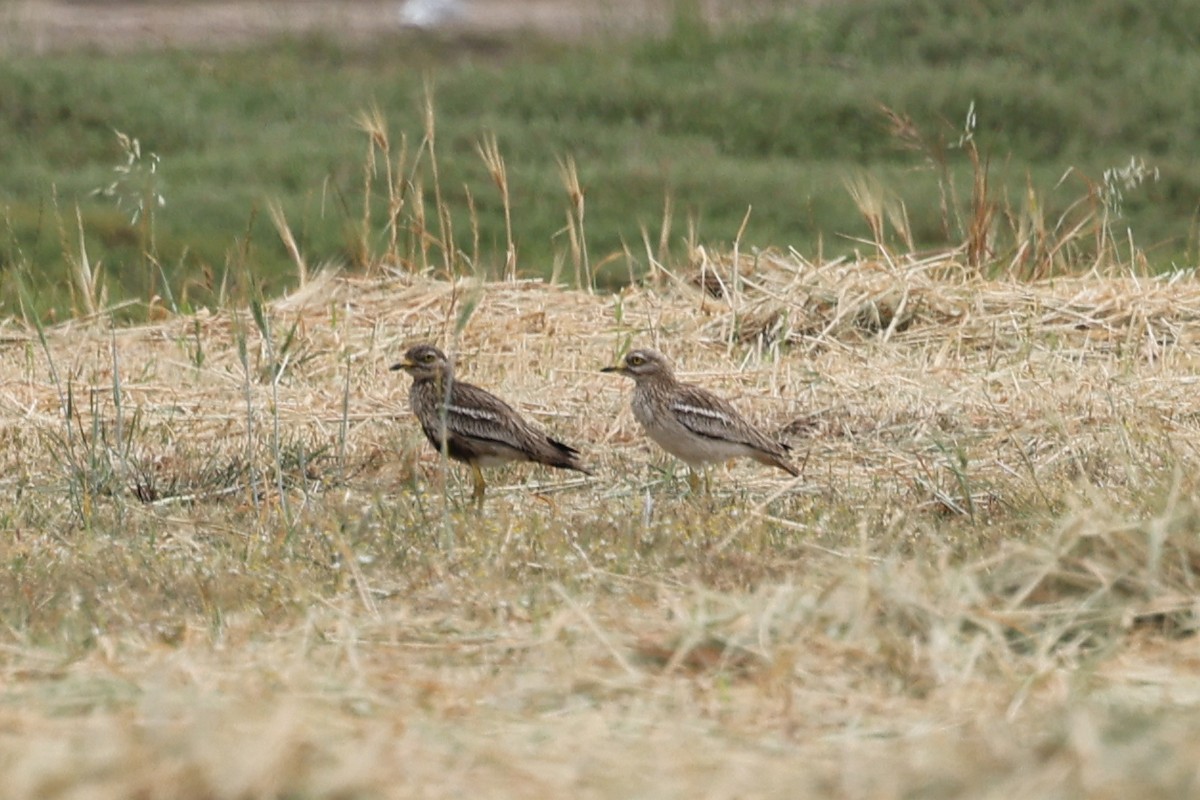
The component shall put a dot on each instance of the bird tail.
(778, 459)
(564, 456)
(787, 467)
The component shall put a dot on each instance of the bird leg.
(480, 485)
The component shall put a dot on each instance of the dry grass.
(236, 570)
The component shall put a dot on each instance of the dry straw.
(869, 362)
(868, 615)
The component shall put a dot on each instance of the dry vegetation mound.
(984, 582)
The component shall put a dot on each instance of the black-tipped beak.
(405, 364)
(618, 369)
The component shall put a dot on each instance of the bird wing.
(475, 413)
(705, 414)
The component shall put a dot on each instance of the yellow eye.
(636, 361)
(427, 358)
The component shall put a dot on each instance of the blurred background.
(145, 145)
(129, 24)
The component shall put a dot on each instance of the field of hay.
(235, 569)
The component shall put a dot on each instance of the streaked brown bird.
(473, 425)
(690, 422)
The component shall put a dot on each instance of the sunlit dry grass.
(235, 569)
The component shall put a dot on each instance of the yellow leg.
(480, 485)
(694, 480)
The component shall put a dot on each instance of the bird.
(472, 425)
(690, 422)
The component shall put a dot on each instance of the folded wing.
(705, 414)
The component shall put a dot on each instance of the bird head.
(424, 362)
(640, 364)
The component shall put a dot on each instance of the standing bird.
(692, 423)
(472, 425)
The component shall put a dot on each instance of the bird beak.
(618, 369)
(405, 365)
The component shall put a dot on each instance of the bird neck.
(439, 382)
(663, 380)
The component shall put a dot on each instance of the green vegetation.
(775, 115)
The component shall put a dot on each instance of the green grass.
(771, 115)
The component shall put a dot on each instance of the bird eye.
(636, 361)
(427, 358)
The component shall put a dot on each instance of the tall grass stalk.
(371, 123)
(473, 219)
(241, 336)
(277, 359)
(420, 227)
(489, 150)
(78, 486)
(119, 432)
(576, 232)
(279, 220)
(735, 290)
(87, 279)
(664, 231)
(379, 146)
(445, 221)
